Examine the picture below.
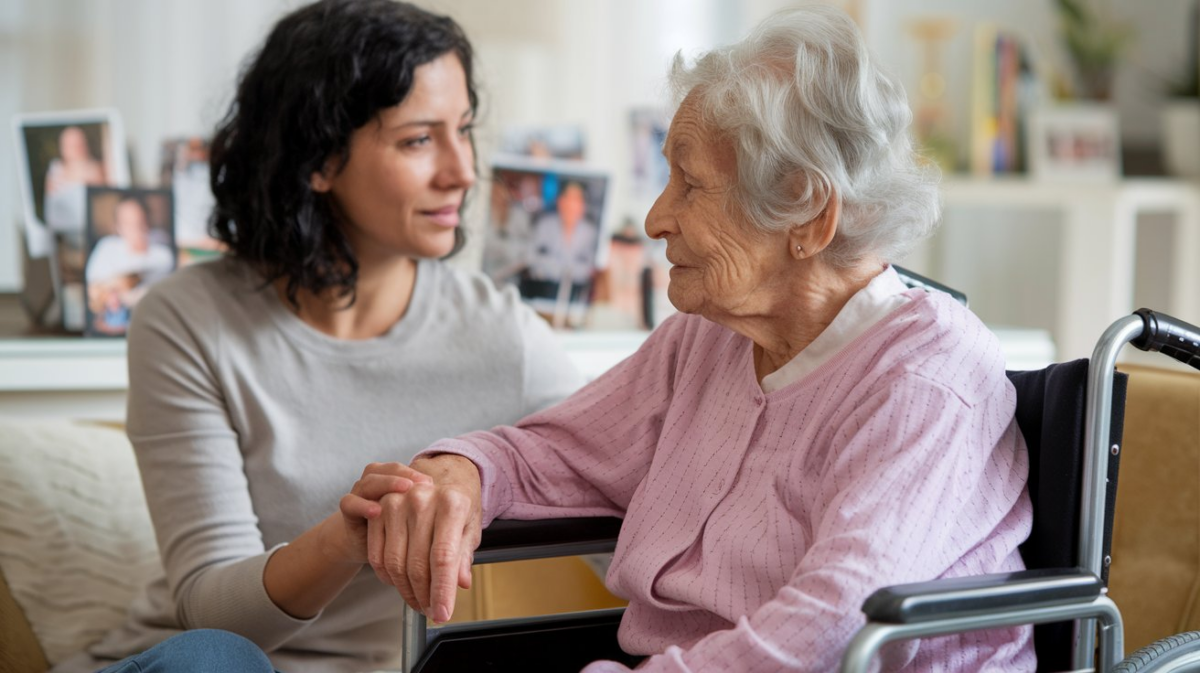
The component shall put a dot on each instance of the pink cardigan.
(756, 524)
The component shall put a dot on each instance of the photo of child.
(130, 247)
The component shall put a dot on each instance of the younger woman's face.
(409, 169)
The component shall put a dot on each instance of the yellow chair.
(1155, 573)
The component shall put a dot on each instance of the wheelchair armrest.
(965, 596)
(510, 540)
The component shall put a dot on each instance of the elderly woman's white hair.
(812, 116)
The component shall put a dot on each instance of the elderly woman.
(806, 431)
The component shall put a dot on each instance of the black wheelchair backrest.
(1050, 413)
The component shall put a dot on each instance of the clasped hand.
(422, 541)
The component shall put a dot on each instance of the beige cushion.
(75, 536)
(1155, 575)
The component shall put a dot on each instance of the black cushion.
(1050, 412)
(559, 643)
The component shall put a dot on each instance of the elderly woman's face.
(718, 257)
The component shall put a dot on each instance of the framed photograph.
(185, 171)
(561, 141)
(129, 247)
(544, 234)
(647, 133)
(1074, 143)
(67, 256)
(37, 291)
(618, 302)
(60, 155)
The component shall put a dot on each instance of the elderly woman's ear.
(808, 239)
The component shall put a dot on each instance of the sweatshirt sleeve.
(586, 455)
(192, 472)
(914, 481)
(549, 376)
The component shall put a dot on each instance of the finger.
(376, 540)
(414, 474)
(420, 477)
(472, 536)
(464, 570)
(420, 528)
(395, 553)
(396, 470)
(446, 554)
(355, 507)
(375, 486)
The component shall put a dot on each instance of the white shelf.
(62, 364)
(86, 379)
(1019, 190)
(1096, 264)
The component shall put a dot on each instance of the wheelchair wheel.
(1180, 652)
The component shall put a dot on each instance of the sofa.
(76, 540)
(76, 543)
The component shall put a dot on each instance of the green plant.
(1095, 43)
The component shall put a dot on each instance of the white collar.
(884, 294)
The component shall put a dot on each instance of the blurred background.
(1037, 243)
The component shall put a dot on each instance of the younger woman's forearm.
(306, 575)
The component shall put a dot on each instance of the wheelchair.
(1071, 415)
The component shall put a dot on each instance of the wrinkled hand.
(362, 503)
(424, 540)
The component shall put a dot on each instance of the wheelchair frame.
(943, 607)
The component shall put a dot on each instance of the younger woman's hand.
(361, 504)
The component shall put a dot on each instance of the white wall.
(10, 67)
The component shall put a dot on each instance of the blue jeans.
(200, 651)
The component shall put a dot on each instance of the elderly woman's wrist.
(447, 467)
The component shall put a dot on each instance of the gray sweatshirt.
(249, 426)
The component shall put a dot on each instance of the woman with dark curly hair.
(329, 339)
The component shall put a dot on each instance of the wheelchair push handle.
(1170, 336)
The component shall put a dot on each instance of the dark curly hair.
(325, 70)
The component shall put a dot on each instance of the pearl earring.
(800, 248)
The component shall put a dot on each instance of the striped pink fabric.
(756, 524)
